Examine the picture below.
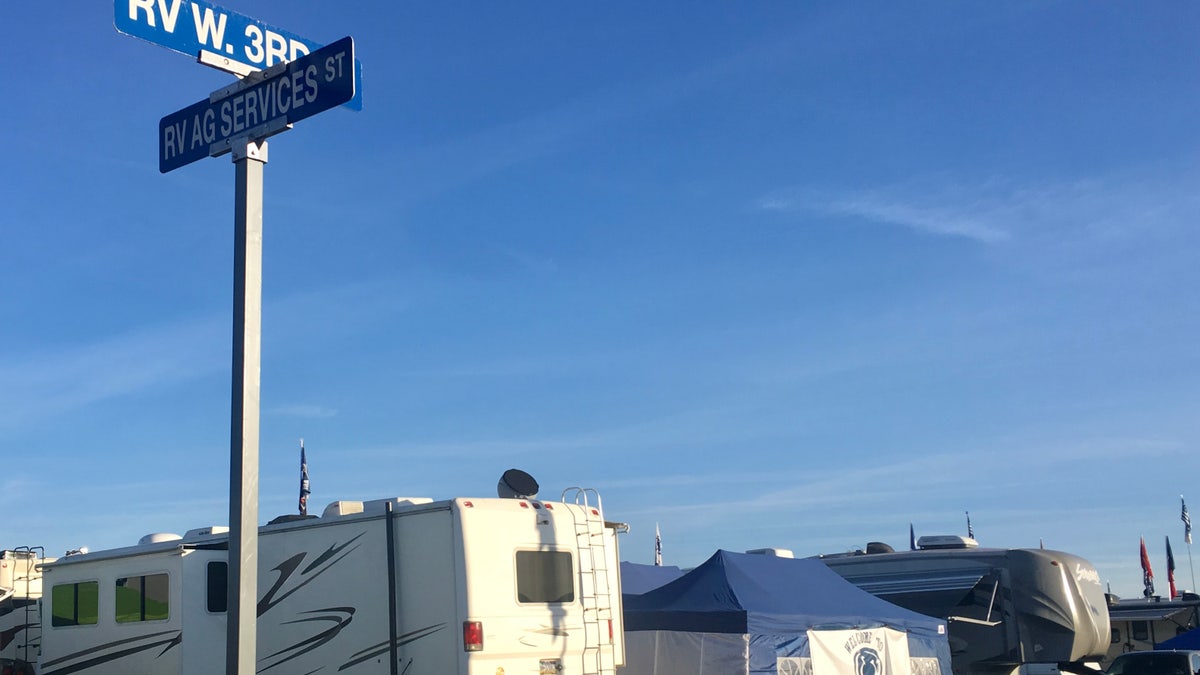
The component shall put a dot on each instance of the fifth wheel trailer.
(411, 586)
(1007, 610)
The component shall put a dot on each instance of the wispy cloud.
(49, 382)
(35, 385)
(999, 211)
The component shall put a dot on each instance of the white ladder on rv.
(31, 645)
(595, 593)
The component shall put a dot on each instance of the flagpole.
(1192, 569)
(1187, 537)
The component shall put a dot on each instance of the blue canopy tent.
(637, 578)
(747, 613)
(1188, 640)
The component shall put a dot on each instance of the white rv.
(409, 586)
(20, 622)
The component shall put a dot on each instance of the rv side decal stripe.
(288, 567)
(377, 650)
(340, 616)
(169, 643)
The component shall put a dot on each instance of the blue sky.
(773, 274)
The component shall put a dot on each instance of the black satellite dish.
(516, 484)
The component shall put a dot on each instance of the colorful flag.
(1147, 573)
(1170, 568)
(303, 481)
(1187, 521)
(912, 538)
(970, 531)
(657, 546)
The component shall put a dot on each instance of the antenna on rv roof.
(516, 484)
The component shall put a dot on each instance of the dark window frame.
(531, 567)
(140, 613)
(74, 619)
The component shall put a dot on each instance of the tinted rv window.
(142, 598)
(218, 586)
(544, 576)
(75, 604)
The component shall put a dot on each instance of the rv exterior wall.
(324, 602)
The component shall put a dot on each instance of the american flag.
(657, 546)
(303, 481)
(1187, 521)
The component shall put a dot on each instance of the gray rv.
(1006, 609)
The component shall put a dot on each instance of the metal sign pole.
(242, 630)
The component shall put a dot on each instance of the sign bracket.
(224, 63)
(258, 133)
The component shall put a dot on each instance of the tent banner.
(864, 651)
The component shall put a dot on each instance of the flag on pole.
(1187, 521)
(912, 538)
(1147, 573)
(970, 531)
(657, 547)
(1170, 568)
(303, 481)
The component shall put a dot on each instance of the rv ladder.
(31, 644)
(595, 593)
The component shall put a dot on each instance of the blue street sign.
(190, 26)
(258, 107)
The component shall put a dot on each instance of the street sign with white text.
(258, 107)
(192, 26)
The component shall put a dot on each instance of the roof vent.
(342, 508)
(158, 537)
(201, 532)
(943, 541)
(378, 505)
(516, 484)
(774, 552)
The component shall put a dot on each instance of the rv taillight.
(473, 636)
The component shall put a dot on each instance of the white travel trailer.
(20, 622)
(21, 586)
(409, 586)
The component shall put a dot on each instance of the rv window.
(75, 604)
(1139, 630)
(142, 598)
(218, 586)
(544, 576)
